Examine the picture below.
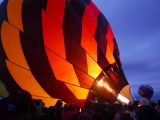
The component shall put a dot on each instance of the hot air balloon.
(146, 91)
(59, 49)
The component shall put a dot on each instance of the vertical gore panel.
(110, 38)
(5, 76)
(89, 43)
(32, 41)
(63, 70)
(110, 46)
(94, 9)
(57, 89)
(93, 68)
(34, 49)
(109, 55)
(14, 11)
(53, 35)
(7, 79)
(56, 9)
(90, 20)
(79, 92)
(102, 24)
(102, 61)
(85, 80)
(12, 45)
(25, 79)
(101, 31)
(101, 40)
(72, 24)
(72, 28)
(75, 55)
(78, 6)
(116, 53)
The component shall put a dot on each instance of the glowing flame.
(123, 99)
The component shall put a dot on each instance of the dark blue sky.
(136, 25)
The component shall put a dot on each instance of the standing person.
(58, 109)
(131, 110)
(70, 112)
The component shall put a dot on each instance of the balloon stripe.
(88, 42)
(5, 76)
(102, 61)
(85, 79)
(94, 9)
(53, 35)
(93, 68)
(79, 6)
(72, 28)
(109, 55)
(65, 74)
(52, 88)
(50, 37)
(110, 39)
(14, 11)
(80, 93)
(32, 41)
(22, 76)
(56, 9)
(53, 21)
(13, 50)
(100, 33)
(89, 19)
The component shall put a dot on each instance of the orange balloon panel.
(56, 9)
(65, 74)
(89, 20)
(12, 45)
(25, 79)
(93, 68)
(53, 35)
(109, 55)
(110, 38)
(14, 11)
(88, 42)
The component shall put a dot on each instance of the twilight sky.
(136, 25)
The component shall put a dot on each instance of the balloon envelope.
(146, 91)
(58, 49)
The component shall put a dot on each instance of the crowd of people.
(21, 106)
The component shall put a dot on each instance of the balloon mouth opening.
(103, 85)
